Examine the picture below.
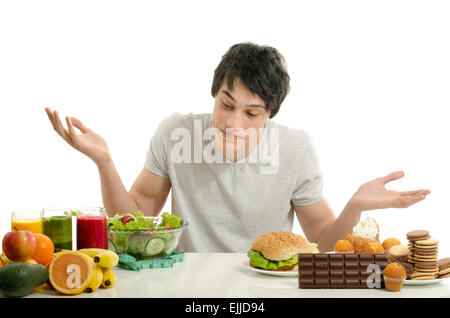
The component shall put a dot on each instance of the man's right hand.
(88, 143)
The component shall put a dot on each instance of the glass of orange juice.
(26, 220)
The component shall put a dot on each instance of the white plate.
(273, 273)
(423, 282)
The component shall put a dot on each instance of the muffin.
(394, 274)
(344, 246)
(389, 242)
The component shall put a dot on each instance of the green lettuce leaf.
(139, 222)
(169, 220)
(257, 259)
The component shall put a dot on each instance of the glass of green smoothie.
(57, 224)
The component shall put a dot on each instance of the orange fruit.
(44, 249)
(71, 272)
(344, 246)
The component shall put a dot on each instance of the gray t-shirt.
(229, 204)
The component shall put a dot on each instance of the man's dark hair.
(262, 68)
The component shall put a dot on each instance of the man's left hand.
(373, 195)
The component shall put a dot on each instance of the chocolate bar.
(341, 270)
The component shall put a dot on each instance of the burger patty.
(282, 268)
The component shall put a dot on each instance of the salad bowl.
(145, 237)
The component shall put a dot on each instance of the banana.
(31, 261)
(109, 278)
(5, 259)
(96, 281)
(91, 251)
(106, 259)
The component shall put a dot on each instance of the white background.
(369, 80)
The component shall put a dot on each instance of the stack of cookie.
(444, 267)
(413, 236)
(425, 258)
(423, 254)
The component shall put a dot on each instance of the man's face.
(239, 118)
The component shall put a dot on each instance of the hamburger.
(278, 251)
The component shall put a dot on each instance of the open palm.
(373, 195)
(88, 143)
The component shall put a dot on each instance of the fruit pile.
(72, 272)
(28, 261)
(22, 266)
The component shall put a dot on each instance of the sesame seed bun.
(279, 246)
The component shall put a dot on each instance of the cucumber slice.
(111, 246)
(154, 246)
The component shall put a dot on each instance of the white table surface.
(226, 275)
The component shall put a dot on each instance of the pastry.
(374, 247)
(389, 242)
(344, 246)
(394, 275)
(364, 233)
(400, 251)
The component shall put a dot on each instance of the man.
(227, 198)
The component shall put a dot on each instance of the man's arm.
(320, 225)
(150, 192)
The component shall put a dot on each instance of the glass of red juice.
(91, 228)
